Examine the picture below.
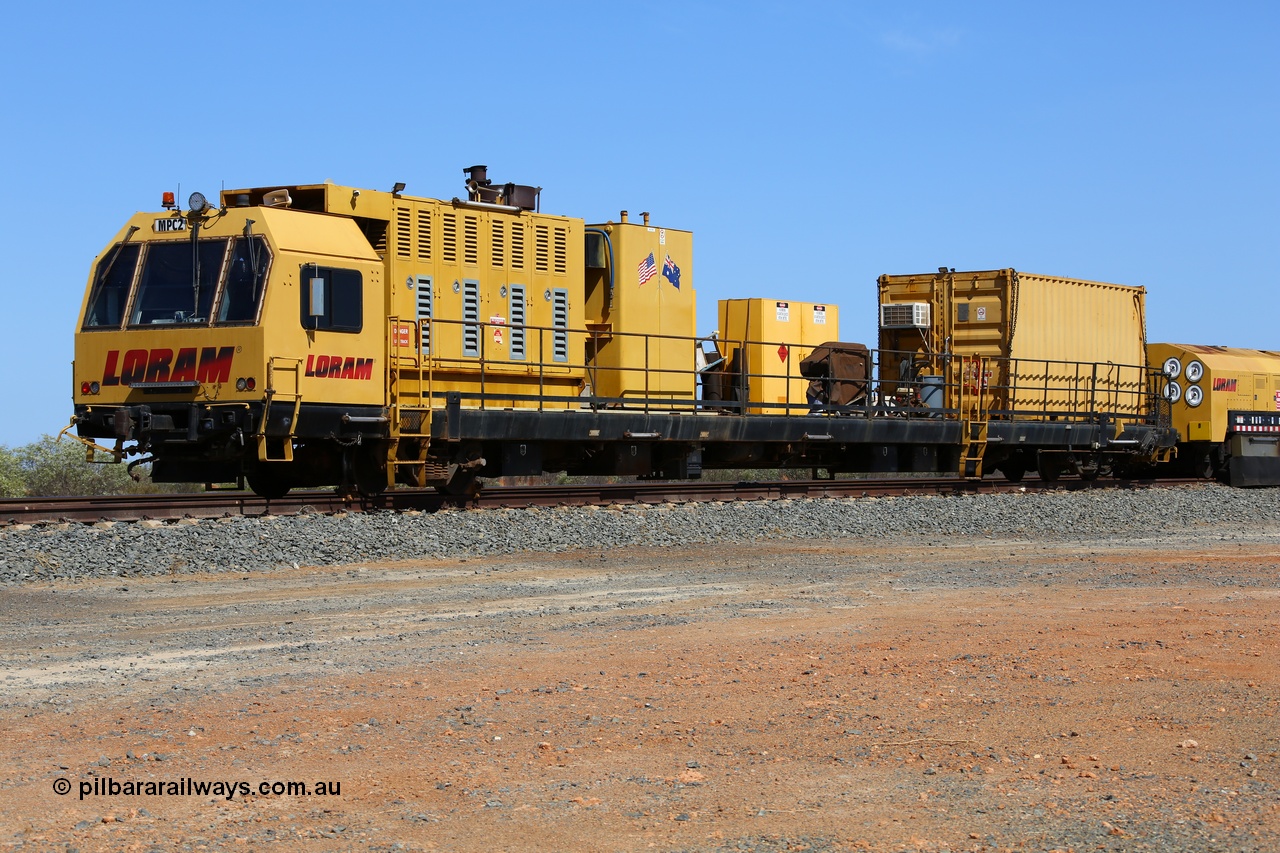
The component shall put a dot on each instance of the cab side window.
(332, 299)
(246, 281)
(111, 290)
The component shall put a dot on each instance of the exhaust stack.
(481, 189)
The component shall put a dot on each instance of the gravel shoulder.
(915, 674)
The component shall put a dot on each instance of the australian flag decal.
(671, 272)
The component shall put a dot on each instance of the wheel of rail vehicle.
(366, 468)
(269, 482)
(1089, 467)
(463, 478)
(1014, 468)
(462, 484)
(1049, 468)
(1208, 464)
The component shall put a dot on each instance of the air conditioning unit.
(904, 315)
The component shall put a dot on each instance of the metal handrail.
(1063, 390)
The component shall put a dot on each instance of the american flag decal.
(648, 269)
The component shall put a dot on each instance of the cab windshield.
(213, 282)
(178, 282)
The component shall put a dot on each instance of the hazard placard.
(404, 335)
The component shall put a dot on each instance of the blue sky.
(810, 147)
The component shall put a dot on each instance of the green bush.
(50, 467)
(12, 484)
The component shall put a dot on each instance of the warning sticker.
(404, 334)
(982, 313)
(784, 312)
(819, 315)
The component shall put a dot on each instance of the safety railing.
(605, 369)
(1031, 389)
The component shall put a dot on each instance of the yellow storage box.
(768, 338)
(640, 303)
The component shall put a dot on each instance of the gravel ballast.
(69, 551)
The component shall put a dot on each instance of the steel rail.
(217, 504)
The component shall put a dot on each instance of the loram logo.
(338, 367)
(1224, 384)
(213, 365)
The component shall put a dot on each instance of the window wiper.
(251, 247)
(248, 244)
(195, 265)
(111, 263)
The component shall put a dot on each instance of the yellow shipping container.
(775, 335)
(1050, 345)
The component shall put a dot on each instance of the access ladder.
(975, 406)
(284, 375)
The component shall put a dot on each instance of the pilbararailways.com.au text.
(188, 787)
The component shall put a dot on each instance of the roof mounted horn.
(277, 198)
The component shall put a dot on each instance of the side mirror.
(317, 297)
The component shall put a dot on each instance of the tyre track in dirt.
(997, 694)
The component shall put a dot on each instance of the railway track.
(216, 504)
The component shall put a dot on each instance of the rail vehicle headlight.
(88, 388)
(1194, 396)
(241, 385)
(1195, 371)
(94, 387)
(197, 203)
(1172, 391)
(1172, 367)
